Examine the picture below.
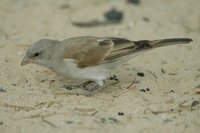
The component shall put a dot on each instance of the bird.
(89, 58)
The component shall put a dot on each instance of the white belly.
(95, 73)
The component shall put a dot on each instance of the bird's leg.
(114, 77)
(90, 91)
(70, 87)
(85, 84)
(96, 85)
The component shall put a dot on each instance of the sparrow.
(89, 58)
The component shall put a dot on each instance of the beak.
(26, 61)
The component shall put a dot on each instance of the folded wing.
(90, 51)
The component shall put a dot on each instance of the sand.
(32, 99)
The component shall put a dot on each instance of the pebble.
(136, 2)
(143, 90)
(141, 74)
(147, 89)
(120, 113)
(146, 19)
(2, 89)
(114, 15)
(195, 103)
(171, 91)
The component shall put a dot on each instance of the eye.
(36, 54)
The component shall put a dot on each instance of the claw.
(90, 90)
(82, 85)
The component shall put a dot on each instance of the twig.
(49, 123)
(133, 82)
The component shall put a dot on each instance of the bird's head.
(44, 52)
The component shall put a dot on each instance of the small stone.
(120, 113)
(114, 15)
(171, 91)
(141, 74)
(2, 89)
(146, 19)
(162, 70)
(195, 103)
(69, 122)
(136, 2)
(42, 80)
(143, 90)
(13, 84)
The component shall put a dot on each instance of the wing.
(90, 51)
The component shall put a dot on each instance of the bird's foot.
(91, 90)
(75, 86)
(90, 87)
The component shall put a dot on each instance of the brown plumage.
(91, 51)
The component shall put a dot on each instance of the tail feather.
(121, 50)
(144, 44)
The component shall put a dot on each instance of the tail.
(146, 44)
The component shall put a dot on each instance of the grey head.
(44, 52)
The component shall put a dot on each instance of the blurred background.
(165, 99)
(27, 21)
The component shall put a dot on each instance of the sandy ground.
(32, 98)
